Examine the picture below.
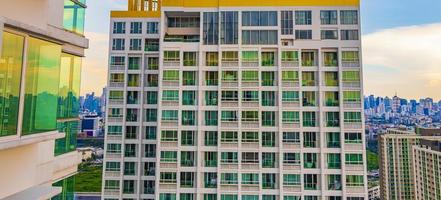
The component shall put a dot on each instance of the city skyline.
(387, 66)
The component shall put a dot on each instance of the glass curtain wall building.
(40, 73)
(237, 100)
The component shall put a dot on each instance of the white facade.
(161, 188)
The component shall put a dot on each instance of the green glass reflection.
(69, 89)
(10, 75)
(73, 19)
(68, 143)
(67, 189)
(41, 87)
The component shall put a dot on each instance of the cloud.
(406, 60)
(94, 73)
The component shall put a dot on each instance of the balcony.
(292, 166)
(355, 190)
(250, 166)
(250, 64)
(167, 83)
(229, 145)
(110, 174)
(250, 83)
(115, 119)
(116, 84)
(230, 63)
(290, 64)
(169, 144)
(116, 101)
(292, 188)
(169, 123)
(229, 84)
(229, 104)
(351, 64)
(111, 192)
(117, 67)
(290, 104)
(250, 124)
(174, 63)
(170, 103)
(290, 83)
(250, 104)
(353, 125)
(229, 166)
(113, 155)
(230, 124)
(352, 105)
(351, 84)
(182, 38)
(114, 137)
(354, 168)
(250, 187)
(291, 124)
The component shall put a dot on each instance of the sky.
(401, 42)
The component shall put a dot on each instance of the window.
(290, 76)
(353, 138)
(118, 44)
(333, 139)
(350, 56)
(210, 180)
(291, 180)
(291, 137)
(250, 116)
(170, 115)
(229, 178)
(349, 34)
(268, 118)
(250, 76)
(290, 56)
(170, 95)
(152, 63)
(268, 58)
(259, 37)
(228, 197)
(212, 197)
(291, 158)
(331, 60)
(111, 185)
(229, 137)
(268, 139)
(211, 28)
(290, 117)
(230, 56)
(211, 59)
(150, 132)
(152, 28)
(151, 45)
(119, 27)
(303, 34)
(269, 197)
(229, 27)
(190, 58)
(354, 181)
(211, 98)
(229, 116)
(187, 158)
(310, 160)
(334, 181)
(117, 61)
(291, 197)
(250, 56)
(167, 177)
(309, 98)
(303, 17)
(130, 150)
(167, 196)
(133, 80)
(113, 166)
(328, 17)
(331, 99)
(333, 161)
(352, 96)
(351, 76)
(268, 181)
(135, 27)
(229, 157)
(329, 34)
(135, 44)
(353, 159)
(41, 95)
(211, 78)
(332, 119)
(171, 56)
(268, 160)
(352, 117)
(250, 137)
(151, 115)
(186, 196)
(290, 96)
(287, 22)
(250, 197)
(309, 58)
(169, 136)
(268, 98)
(188, 118)
(259, 18)
(129, 168)
(210, 138)
(10, 73)
(151, 98)
(250, 96)
(269, 79)
(134, 63)
(116, 95)
(170, 75)
(229, 96)
(348, 17)
(229, 76)
(114, 130)
(188, 98)
(211, 118)
(188, 78)
(250, 179)
(183, 22)
(169, 156)
(310, 181)
(250, 157)
(113, 148)
(74, 15)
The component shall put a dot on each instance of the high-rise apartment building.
(226, 99)
(405, 164)
(41, 45)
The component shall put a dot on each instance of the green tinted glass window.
(69, 89)
(74, 13)
(10, 75)
(41, 94)
(69, 142)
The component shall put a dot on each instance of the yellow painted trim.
(135, 14)
(257, 3)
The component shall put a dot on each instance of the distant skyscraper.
(396, 104)
(235, 99)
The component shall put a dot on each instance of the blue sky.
(397, 35)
